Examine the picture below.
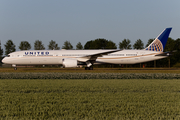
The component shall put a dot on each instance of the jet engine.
(69, 63)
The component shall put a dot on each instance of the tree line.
(101, 43)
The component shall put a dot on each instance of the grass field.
(90, 99)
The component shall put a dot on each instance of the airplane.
(73, 58)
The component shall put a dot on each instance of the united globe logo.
(156, 45)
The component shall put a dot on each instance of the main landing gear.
(89, 65)
(89, 68)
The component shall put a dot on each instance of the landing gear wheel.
(88, 68)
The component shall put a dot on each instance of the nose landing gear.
(15, 68)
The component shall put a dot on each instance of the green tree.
(79, 46)
(53, 45)
(1, 51)
(149, 42)
(67, 45)
(100, 43)
(111, 45)
(88, 45)
(176, 54)
(125, 44)
(24, 45)
(170, 45)
(177, 44)
(138, 44)
(38, 45)
(1, 54)
(10, 47)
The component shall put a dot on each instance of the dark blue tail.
(160, 42)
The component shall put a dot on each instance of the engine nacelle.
(69, 63)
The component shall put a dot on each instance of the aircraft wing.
(95, 56)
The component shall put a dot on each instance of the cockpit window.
(8, 56)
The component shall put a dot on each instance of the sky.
(85, 20)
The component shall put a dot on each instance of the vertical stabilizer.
(160, 42)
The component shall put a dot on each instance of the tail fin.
(160, 42)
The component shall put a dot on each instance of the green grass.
(89, 99)
(82, 76)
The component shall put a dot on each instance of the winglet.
(160, 42)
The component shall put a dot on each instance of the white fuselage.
(55, 57)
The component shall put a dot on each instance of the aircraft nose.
(3, 60)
